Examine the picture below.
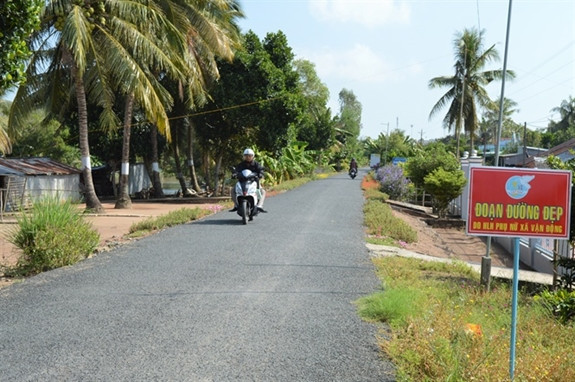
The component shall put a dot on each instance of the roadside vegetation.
(181, 216)
(443, 326)
(52, 234)
(382, 226)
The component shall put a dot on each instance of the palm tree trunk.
(156, 180)
(92, 202)
(471, 142)
(192, 167)
(206, 164)
(217, 176)
(457, 137)
(124, 200)
(179, 174)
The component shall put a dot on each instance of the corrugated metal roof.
(35, 166)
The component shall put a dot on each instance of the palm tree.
(211, 32)
(508, 126)
(466, 88)
(91, 52)
(567, 112)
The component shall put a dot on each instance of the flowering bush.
(393, 182)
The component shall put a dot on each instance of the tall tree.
(123, 200)
(19, 19)
(5, 141)
(210, 30)
(396, 144)
(256, 102)
(563, 129)
(70, 44)
(212, 33)
(348, 122)
(508, 126)
(316, 127)
(466, 92)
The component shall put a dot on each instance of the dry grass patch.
(457, 332)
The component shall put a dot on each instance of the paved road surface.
(209, 301)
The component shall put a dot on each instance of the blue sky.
(386, 52)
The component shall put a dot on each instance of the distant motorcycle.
(353, 173)
(247, 195)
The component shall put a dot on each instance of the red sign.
(519, 202)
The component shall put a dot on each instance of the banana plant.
(294, 161)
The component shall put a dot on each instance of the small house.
(23, 180)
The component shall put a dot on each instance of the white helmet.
(249, 152)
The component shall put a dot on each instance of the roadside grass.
(443, 326)
(181, 216)
(297, 182)
(383, 228)
(51, 234)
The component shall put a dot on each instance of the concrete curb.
(496, 272)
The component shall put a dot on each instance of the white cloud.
(360, 64)
(369, 13)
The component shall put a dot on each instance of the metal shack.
(23, 180)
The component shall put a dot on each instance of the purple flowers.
(393, 182)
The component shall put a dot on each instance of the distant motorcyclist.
(353, 165)
(250, 164)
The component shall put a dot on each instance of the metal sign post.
(518, 202)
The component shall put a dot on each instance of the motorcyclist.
(250, 164)
(353, 165)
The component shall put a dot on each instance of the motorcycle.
(247, 195)
(353, 173)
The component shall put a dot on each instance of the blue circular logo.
(517, 186)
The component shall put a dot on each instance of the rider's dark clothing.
(353, 164)
(253, 166)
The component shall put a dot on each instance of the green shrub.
(53, 234)
(433, 157)
(567, 279)
(444, 186)
(560, 303)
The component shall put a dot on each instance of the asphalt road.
(212, 300)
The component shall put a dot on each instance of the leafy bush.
(293, 162)
(434, 157)
(560, 303)
(52, 235)
(567, 279)
(444, 186)
(393, 182)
